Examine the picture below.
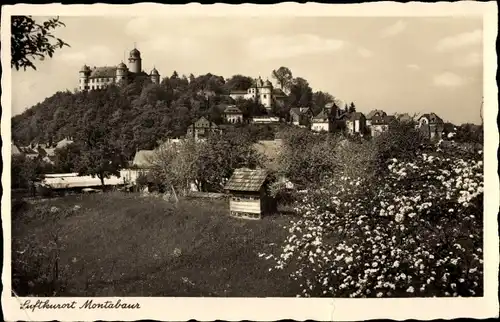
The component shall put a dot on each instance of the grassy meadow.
(116, 244)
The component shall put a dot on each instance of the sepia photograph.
(245, 156)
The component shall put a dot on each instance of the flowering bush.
(413, 230)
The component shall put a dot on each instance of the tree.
(66, 158)
(238, 82)
(283, 76)
(320, 99)
(99, 156)
(174, 75)
(30, 40)
(301, 94)
(352, 108)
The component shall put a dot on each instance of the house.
(249, 196)
(321, 122)
(300, 115)
(232, 114)
(202, 128)
(431, 125)
(381, 124)
(356, 123)
(265, 120)
(374, 113)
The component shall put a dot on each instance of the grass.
(128, 245)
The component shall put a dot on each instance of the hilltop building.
(261, 91)
(100, 77)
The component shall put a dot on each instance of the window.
(265, 96)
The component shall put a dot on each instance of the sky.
(400, 65)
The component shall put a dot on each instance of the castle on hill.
(100, 77)
(261, 91)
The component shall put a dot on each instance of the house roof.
(231, 109)
(356, 116)
(405, 117)
(105, 71)
(320, 117)
(142, 158)
(245, 179)
(383, 119)
(432, 117)
(373, 112)
(203, 121)
(64, 142)
(299, 110)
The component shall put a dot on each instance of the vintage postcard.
(250, 162)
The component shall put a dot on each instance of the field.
(129, 245)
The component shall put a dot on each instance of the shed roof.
(245, 179)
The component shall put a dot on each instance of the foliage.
(31, 40)
(320, 99)
(284, 77)
(26, 171)
(307, 157)
(99, 155)
(415, 231)
(301, 94)
(66, 158)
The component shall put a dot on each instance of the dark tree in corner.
(30, 40)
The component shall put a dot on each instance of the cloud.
(173, 45)
(470, 60)
(413, 66)
(394, 29)
(449, 79)
(97, 55)
(363, 52)
(461, 40)
(279, 46)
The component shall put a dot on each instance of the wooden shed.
(249, 197)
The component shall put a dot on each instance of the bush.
(416, 231)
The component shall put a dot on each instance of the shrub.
(416, 231)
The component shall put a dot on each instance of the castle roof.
(268, 83)
(135, 53)
(154, 72)
(105, 71)
(85, 68)
(121, 66)
(258, 82)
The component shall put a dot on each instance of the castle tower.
(135, 61)
(84, 77)
(266, 94)
(155, 76)
(121, 73)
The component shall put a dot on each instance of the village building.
(100, 77)
(232, 114)
(372, 114)
(381, 123)
(356, 123)
(262, 92)
(249, 195)
(300, 115)
(321, 122)
(431, 125)
(265, 120)
(202, 128)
